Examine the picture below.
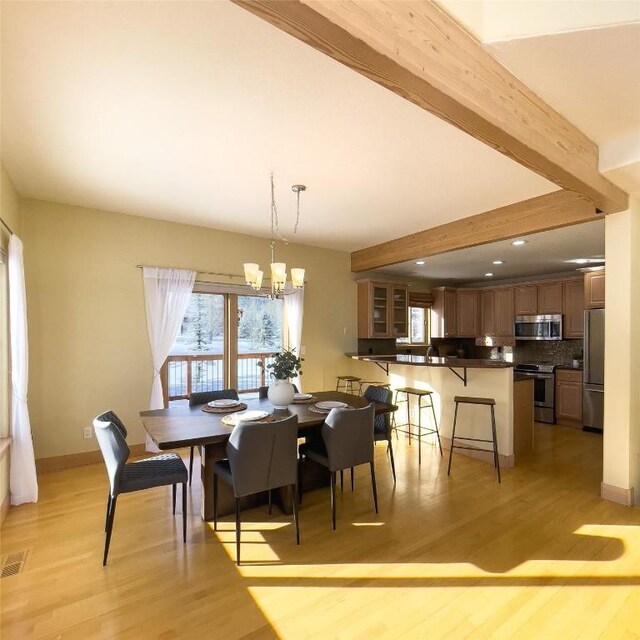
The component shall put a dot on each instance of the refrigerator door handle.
(594, 389)
(586, 363)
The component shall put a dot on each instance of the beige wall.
(10, 213)
(622, 351)
(89, 349)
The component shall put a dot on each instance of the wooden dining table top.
(183, 426)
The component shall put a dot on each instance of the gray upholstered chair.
(261, 456)
(203, 397)
(382, 422)
(157, 471)
(263, 391)
(347, 441)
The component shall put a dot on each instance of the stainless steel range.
(544, 398)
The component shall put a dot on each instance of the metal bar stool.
(421, 430)
(346, 382)
(490, 402)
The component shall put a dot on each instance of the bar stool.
(422, 430)
(490, 402)
(346, 382)
(371, 383)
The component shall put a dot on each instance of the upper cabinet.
(488, 312)
(468, 313)
(444, 313)
(504, 312)
(525, 299)
(594, 289)
(573, 308)
(531, 299)
(382, 310)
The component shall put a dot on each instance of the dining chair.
(125, 477)
(202, 397)
(382, 422)
(347, 441)
(261, 456)
(264, 391)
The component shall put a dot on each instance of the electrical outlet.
(87, 433)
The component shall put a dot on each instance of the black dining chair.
(125, 477)
(261, 456)
(202, 397)
(347, 441)
(382, 422)
(264, 391)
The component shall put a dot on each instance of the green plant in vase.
(285, 365)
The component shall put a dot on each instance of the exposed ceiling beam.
(418, 51)
(550, 211)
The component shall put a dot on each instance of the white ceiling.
(180, 110)
(544, 253)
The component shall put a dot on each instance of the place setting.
(252, 415)
(224, 405)
(304, 398)
(325, 406)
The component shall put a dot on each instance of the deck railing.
(188, 374)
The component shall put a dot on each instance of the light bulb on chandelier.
(252, 274)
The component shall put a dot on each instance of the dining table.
(181, 425)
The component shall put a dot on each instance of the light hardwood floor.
(540, 556)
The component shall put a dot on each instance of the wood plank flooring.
(540, 556)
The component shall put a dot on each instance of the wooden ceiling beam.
(418, 51)
(551, 211)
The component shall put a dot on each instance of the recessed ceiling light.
(518, 243)
(586, 260)
(488, 275)
(498, 262)
(420, 262)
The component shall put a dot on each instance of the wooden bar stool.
(490, 402)
(421, 430)
(346, 382)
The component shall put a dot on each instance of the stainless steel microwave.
(544, 327)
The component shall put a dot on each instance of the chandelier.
(253, 275)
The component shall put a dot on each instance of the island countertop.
(424, 361)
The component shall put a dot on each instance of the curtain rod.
(7, 227)
(205, 273)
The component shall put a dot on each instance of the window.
(222, 340)
(419, 329)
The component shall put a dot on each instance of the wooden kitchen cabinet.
(594, 289)
(504, 312)
(488, 312)
(569, 396)
(444, 313)
(382, 310)
(525, 299)
(468, 312)
(550, 297)
(573, 308)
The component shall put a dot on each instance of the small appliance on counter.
(543, 390)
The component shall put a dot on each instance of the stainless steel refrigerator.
(593, 376)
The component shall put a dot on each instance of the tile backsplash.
(555, 352)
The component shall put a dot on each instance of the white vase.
(280, 394)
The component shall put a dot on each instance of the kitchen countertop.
(569, 367)
(424, 361)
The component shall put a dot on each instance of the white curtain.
(166, 293)
(23, 482)
(294, 309)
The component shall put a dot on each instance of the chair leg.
(296, 517)
(352, 482)
(190, 466)
(215, 501)
(393, 464)
(173, 495)
(106, 518)
(453, 438)
(333, 500)
(107, 542)
(238, 530)
(341, 479)
(373, 486)
(435, 422)
(184, 513)
(496, 459)
(300, 474)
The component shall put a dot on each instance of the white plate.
(331, 404)
(250, 416)
(302, 396)
(223, 403)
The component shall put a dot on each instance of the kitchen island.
(450, 377)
